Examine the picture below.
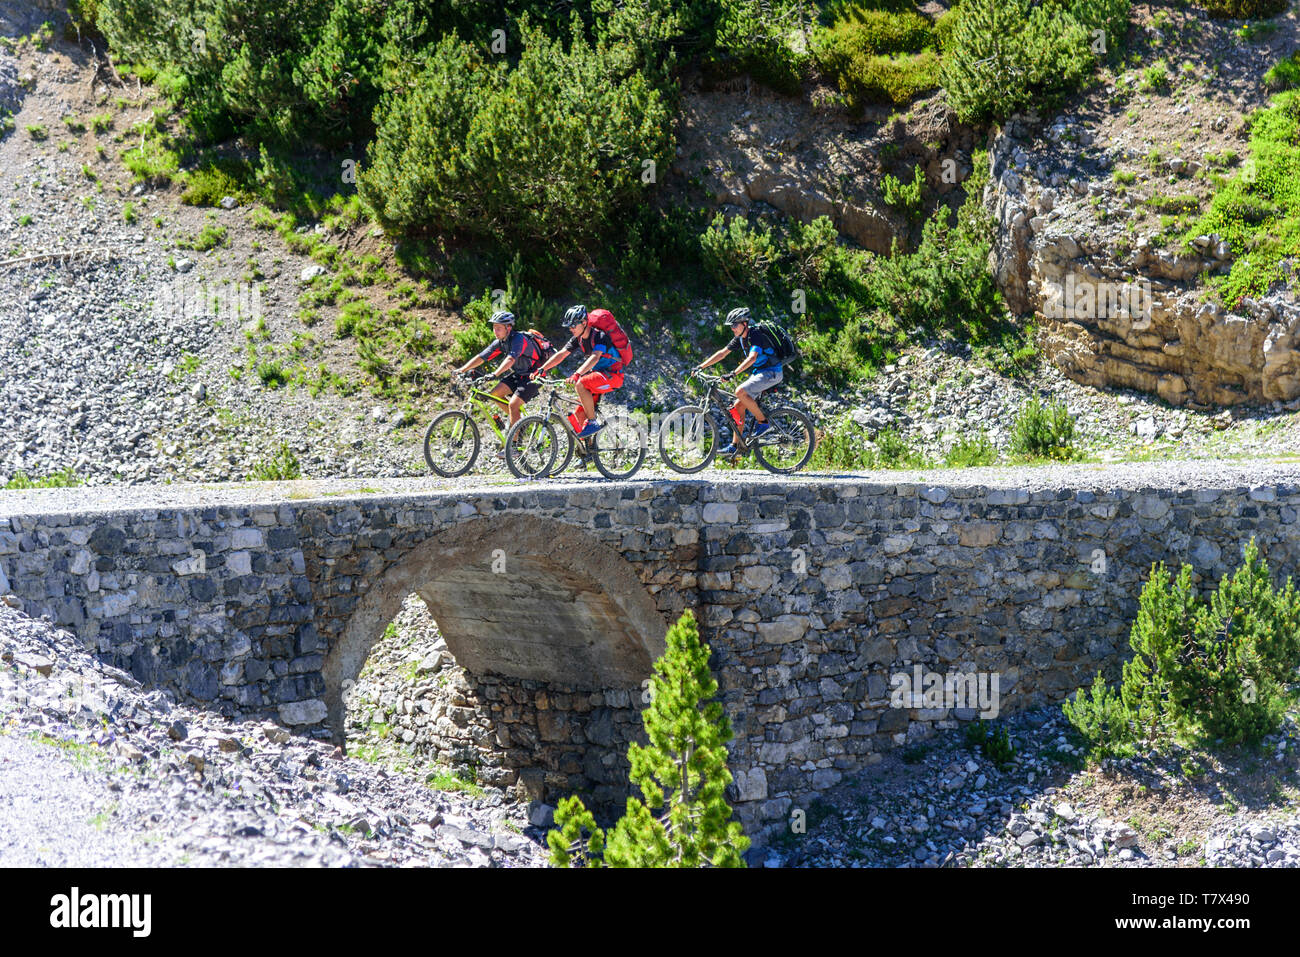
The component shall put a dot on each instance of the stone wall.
(812, 593)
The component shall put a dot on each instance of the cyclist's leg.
(591, 387)
(749, 390)
(525, 391)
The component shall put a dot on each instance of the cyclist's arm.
(506, 364)
(716, 357)
(553, 361)
(588, 365)
(472, 364)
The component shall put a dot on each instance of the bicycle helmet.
(575, 315)
(737, 315)
(508, 318)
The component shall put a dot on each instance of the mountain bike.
(689, 435)
(618, 450)
(452, 442)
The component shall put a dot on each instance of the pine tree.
(682, 775)
(982, 68)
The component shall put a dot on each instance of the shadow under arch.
(518, 596)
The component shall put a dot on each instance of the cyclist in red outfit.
(600, 372)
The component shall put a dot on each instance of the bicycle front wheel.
(564, 454)
(688, 439)
(451, 445)
(531, 446)
(619, 448)
(788, 445)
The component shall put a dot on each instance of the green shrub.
(1044, 431)
(209, 237)
(281, 466)
(969, 452)
(1155, 77)
(993, 741)
(1218, 669)
(875, 30)
(1285, 74)
(1005, 55)
(273, 374)
(1243, 9)
(737, 253)
(67, 478)
(897, 452)
(882, 70)
(538, 157)
(470, 340)
(681, 818)
(904, 197)
(216, 178)
(1258, 212)
(754, 36)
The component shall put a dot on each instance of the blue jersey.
(599, 342)
(756, 341)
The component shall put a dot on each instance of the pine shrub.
(737, 253)
(1217, 669)
(1044, 430)
(541, 156)
(682, 818)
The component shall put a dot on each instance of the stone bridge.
(263, 601)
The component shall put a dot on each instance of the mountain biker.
(760, 355)
(600, 372)
(519, 357)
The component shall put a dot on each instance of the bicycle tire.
(603, 465)
(527, 429)
(469, 433)
(800, 421)
(666, 433)
(567, 442)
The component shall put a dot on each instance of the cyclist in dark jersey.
(519, 357)
(600, 372)
(760, 355)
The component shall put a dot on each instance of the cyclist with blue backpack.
(762, 353)
(521, 353)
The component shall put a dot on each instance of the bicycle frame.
(552, 390)
(724, 400)
(486, 404)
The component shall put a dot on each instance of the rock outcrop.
(1114, 316)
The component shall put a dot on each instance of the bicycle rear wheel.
(688, 439)
(788, 446)
(531, 446)
(619, 448)
(451, 444)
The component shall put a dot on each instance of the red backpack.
(604, 320)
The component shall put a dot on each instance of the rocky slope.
(1081, 246)
(92, 763)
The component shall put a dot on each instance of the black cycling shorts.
(522, 386)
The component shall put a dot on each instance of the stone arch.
(567, 609)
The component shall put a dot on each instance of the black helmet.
(737, 315)
(502, 316)
(574, 315)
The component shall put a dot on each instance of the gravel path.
(1205, 474)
